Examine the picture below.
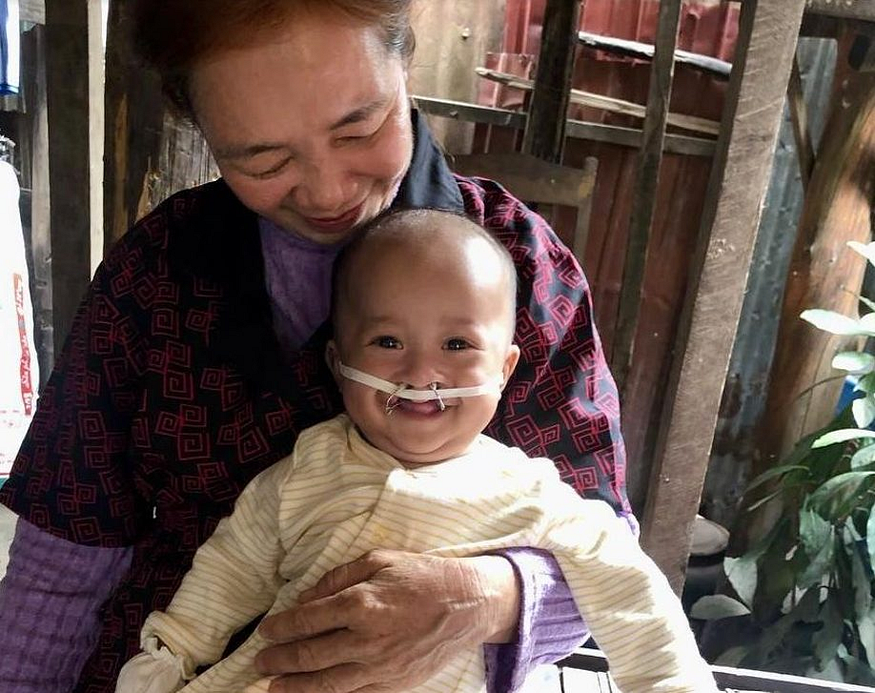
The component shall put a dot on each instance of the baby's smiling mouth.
(427, 408)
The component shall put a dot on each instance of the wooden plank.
(133, 125)
(646, 51)
(68, 96)
(150, 153)
(596, 132)
(594, 661)
(35, 171)
(644, 192)
(719, 267)
(799, 119)
(544, 135)
(824, 272)
(529, 178)
(606, 103)
(844, 9)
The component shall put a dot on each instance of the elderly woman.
(196, 358)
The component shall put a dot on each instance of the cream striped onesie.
(336, 497)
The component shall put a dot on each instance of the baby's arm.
(233, 579)
(627, 602)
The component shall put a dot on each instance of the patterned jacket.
(171, 392)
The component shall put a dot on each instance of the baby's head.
(423, 299)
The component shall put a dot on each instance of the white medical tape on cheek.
(491, 387)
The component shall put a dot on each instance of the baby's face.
(439, 316)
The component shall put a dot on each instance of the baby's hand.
(156, 672)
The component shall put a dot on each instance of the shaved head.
(435, 236)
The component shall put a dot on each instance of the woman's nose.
(325, 191)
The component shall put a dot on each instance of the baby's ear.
(510, 362)
(332, 358)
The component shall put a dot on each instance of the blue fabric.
(9, 47)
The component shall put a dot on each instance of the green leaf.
(862, 591)
(717, 606)
(742, 575)
(863, 457)
(867, 323)
(842, 436)
(870, 540)
(832, 322)
(864, 410)
(837, 497)
(866, 384)
(856, 670)
(869, 304)
(817, 540)
(866, 629)
(856, 362)
(867, 250)
(774, 472)
(827, 639)
(733, 656)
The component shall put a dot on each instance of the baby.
(424, 305)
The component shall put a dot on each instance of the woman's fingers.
(315, 654)
(397, 619)
(347, 575)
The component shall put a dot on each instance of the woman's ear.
(332, 358)
(510, 362)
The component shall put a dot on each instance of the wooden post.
(544, 135)
(737, 188)
(646, 184)
(799, 119)
(68, 95)
(150, 152)
(824, 272)
(134, 121)
(33, 52)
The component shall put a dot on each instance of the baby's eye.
(456, 344)
(387, 342)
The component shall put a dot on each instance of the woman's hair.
(170, 36)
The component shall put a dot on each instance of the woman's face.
(310, 126)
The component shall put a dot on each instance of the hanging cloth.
(9, 47)
(19, 370)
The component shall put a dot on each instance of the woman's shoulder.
(183, 220)
(492, 206)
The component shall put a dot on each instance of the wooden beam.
(35, 171)
(646, 51)
(719, 268)
(544, 136)
(843, 9)
(729, 678)
(644, 192)
(67, 86)
(150, 153)
(133, 127)
(824, 272)
(799, 120)
(606, 103)
(579, 129)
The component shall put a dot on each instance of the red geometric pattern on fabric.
(147, 431)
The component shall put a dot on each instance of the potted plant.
(802, 597)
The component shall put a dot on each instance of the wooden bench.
(585, 671)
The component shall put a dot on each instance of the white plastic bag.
(19, 370)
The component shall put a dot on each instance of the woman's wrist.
(499, 594)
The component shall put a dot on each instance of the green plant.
(803, 595)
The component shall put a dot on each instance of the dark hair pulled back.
(171, 36)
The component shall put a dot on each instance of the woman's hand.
(388, 621)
